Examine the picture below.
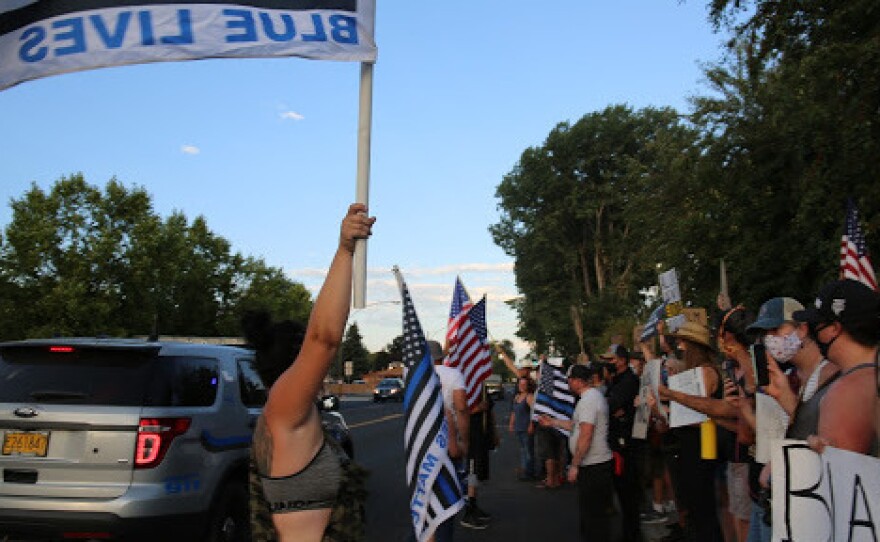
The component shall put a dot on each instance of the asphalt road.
(521, 512)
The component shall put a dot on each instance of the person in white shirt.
(591, 464)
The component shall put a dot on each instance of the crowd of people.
(821, 371)
(821, 366)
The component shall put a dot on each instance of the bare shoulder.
(844, 421)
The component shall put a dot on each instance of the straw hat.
(696, 333)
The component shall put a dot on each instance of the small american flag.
(469, 351)
(854, 260)
(553, 396)
(461, 302)
(435, 492)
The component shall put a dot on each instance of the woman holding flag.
(301, 472)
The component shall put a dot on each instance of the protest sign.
(649, 382)
(833, 496)
(671, 294)
(771, 424)
(690, 382)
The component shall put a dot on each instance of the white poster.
(834, 496)
(771, 421)
(649, 382)
(689, 382)
(48, 37)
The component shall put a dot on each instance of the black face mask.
(823, 347)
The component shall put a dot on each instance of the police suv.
(129, 439)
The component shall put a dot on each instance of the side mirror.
(329, 403)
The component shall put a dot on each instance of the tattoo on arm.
(263, 447)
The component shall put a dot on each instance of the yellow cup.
(708, 440)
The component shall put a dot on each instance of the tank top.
(806, 415)
(521, 414)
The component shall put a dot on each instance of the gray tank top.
(313, 488)
(806, 417)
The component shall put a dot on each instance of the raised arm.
(291, 399)
(507, 361)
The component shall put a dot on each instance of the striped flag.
(435, 492)
(469, 350)
(854, 260)
(553, 397)
(39, 38)
(461, 302)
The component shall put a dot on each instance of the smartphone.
(730, 371)
(759, 363)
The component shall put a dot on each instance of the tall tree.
(353, 349)
(567, 219)
(76, 260)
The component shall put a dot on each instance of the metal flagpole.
(362, 191)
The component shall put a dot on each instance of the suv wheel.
(230, 521)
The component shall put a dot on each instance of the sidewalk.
(523, 512)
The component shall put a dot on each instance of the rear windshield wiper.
(58, 394)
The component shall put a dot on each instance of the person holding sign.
(694, 476)
(845, 324)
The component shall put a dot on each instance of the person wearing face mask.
(845, 324)
(787, 341)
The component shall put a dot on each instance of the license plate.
(26, 443)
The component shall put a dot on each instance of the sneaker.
(471, 521)
(480, 514)
(652, 516)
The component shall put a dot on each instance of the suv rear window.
(121, 377)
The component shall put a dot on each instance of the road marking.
(377, 420)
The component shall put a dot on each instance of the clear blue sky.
(265, 149)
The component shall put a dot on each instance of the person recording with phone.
(781, 340)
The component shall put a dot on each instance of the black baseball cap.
(584, 372)
(846, 301)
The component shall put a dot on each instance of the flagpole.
(362, 192)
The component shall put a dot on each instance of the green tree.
(566, 217)
(395, 348)
(380, 360)
(353, 349)
(76, 260)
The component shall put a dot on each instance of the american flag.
(854, 260)
(469, 351)
(553, 397)
(461, 302)
(435, 492)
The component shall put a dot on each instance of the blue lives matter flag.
(435, 492)
(553, 397)
(39, 38)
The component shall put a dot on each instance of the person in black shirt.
(621, 394)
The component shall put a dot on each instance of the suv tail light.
(154, 438)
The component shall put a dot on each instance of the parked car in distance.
(494, 387)
(389, 389)
(131, 439)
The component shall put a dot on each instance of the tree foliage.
(353, 349)
(78, 260)
(568, 217)
(757, 174)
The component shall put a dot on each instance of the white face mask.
(783, 348)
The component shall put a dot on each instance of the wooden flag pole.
(362, 194)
